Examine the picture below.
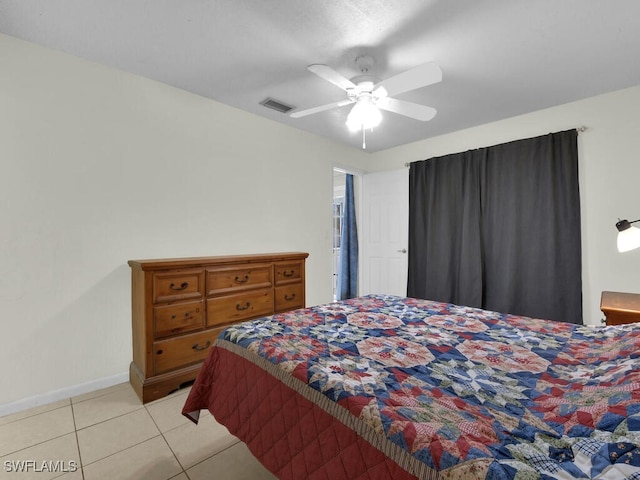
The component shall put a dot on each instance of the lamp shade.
(628, 236)
(364, 114)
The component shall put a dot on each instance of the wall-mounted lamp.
(628, 236)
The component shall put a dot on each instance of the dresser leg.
(159, 386)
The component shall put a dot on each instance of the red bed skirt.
(290, 435)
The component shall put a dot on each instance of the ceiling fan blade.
(330, 75)
(417, 77)
(408, 109)
(321, 108)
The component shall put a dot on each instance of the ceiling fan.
(370, 97)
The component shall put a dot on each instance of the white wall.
(609, 164)
(100, 167)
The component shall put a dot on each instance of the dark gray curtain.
(499, 228)
(348, 272)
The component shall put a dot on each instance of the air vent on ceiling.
(276, 105)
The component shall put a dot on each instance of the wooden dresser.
(620, 307)
(179, 306)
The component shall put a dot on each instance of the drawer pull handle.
(288, 297)
(242, 279)
(182, 286)
(288, 273)
(243, 307)
(204, 347)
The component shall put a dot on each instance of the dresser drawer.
(229, 280)
(184, 350)
(178, 285)
(289, 297)
(178, 318)
(288, 273)
(233, 308)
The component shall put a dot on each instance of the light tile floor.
(109, 434)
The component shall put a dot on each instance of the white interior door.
(384, 237)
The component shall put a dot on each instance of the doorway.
(339, 181)
(382, 205)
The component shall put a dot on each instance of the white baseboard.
(62, 394)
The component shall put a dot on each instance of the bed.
(382, 387)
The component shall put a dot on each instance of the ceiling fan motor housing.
(362, 87)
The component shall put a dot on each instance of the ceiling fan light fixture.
(364, 115)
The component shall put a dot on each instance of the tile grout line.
(34, 415)
(100, 393)
(108, 419)
(184, 469)
(213, 455)
(70, 401)
(167, 443)
(141, 407)
(44, 441)
(75, 431)
(124, 449)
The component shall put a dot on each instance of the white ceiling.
(499, 58)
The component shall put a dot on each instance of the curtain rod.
(580, 129)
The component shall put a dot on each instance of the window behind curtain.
(499, 228)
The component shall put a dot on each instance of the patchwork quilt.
(427, 390)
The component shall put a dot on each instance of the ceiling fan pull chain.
(364, 143)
